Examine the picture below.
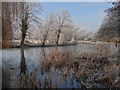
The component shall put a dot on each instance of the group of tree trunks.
(19, 11)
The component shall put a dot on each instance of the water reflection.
(55, 67)
(6, 74)
(43, 67)
(23, 66)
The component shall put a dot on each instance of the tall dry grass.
(88, 68)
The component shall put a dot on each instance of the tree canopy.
(110, 28)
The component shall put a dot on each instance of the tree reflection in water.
(66, 67)
(23, 67)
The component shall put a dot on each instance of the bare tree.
(62, 20)
(68, 33)
(47, 26)
(28, 14)
(58, 27)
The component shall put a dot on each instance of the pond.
(48, 67)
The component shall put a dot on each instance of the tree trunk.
(43, 44)
(24, 28)
(44, 39)
(58, 37)
(23, 39)
(22, 63)
(6, 26)
(116, 43)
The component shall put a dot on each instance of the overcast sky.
(88, 15)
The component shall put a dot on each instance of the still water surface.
(28, 61)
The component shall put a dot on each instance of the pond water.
(24, 67)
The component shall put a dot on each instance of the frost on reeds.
(103, 49)
(101, 65)
(57, 59)
(93, 68)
